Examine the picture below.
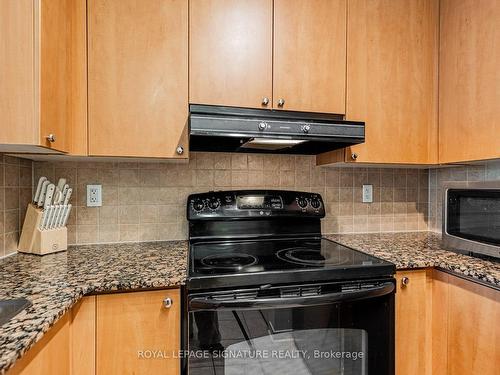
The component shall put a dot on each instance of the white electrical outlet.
(367, 193)
(94, 195)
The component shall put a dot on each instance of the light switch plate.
(367, 193)
(94, 195)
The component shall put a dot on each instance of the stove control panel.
(241, 204)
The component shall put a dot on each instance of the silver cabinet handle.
(281, 102)
(265, 101)
(262, 126)
(354, 156)
(51, 138)
(167, 303)
(179, 150)
(405, 281)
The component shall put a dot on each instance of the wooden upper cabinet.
(469, 80)
(392, 80)
(129, 324)
(230, 52)
(138, 78)
(43, 76)
(310, 55)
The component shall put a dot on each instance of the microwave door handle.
(204, 303)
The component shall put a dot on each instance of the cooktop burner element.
(305, 256)
(234, 261)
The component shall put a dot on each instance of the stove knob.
(315, 203)
(302, 202)
(262, 126)
(214, 203)
(198, 205)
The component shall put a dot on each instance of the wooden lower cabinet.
(136, 334)
(466, 334)
(413, 322)
(120, 333)
(67, 348)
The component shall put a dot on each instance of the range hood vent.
(230, 129)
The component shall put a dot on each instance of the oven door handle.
(207, 303)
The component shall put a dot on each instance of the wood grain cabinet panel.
(129, 324)
(138, 77)
(310, 55)
(413, 323)
(51, 355)
(230, 52)
(83, 336)
(67, 348)
(473, 330)
(392, 50)
(469, 80)
(43, 78)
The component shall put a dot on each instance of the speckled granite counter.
(54, 283)
(419, 250)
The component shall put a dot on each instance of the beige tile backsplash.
(487, 171)
(15, 194)
(146, 201)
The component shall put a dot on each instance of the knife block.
(41, 242)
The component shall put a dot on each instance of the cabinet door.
(61, 64)
(16, 72)
(473, 330)
(130, 325)
(469, 80)
(392, 79)
(413, 322)
(50, 355)
(310, 55)
(230, 52)
(138, 77)
(82, 338)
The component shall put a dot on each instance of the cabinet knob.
(167, 303)
(179, 150)
(265, 101)
(405, 281)
(281, 102)
(51, 138)
(354, 156)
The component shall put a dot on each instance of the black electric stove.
(261, 279)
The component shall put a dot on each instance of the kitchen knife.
(61, 183)
(39, 189)
(68, 196)
(65, 190)
(60, 218)
(55, 216)
(66, 215)
(41, 198)
(47, 205)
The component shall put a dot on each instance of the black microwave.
(471, 218)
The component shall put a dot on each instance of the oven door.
(306, 329)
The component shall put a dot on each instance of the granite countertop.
(54, 283)
(419, 250)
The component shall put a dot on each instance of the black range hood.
(231, 129)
